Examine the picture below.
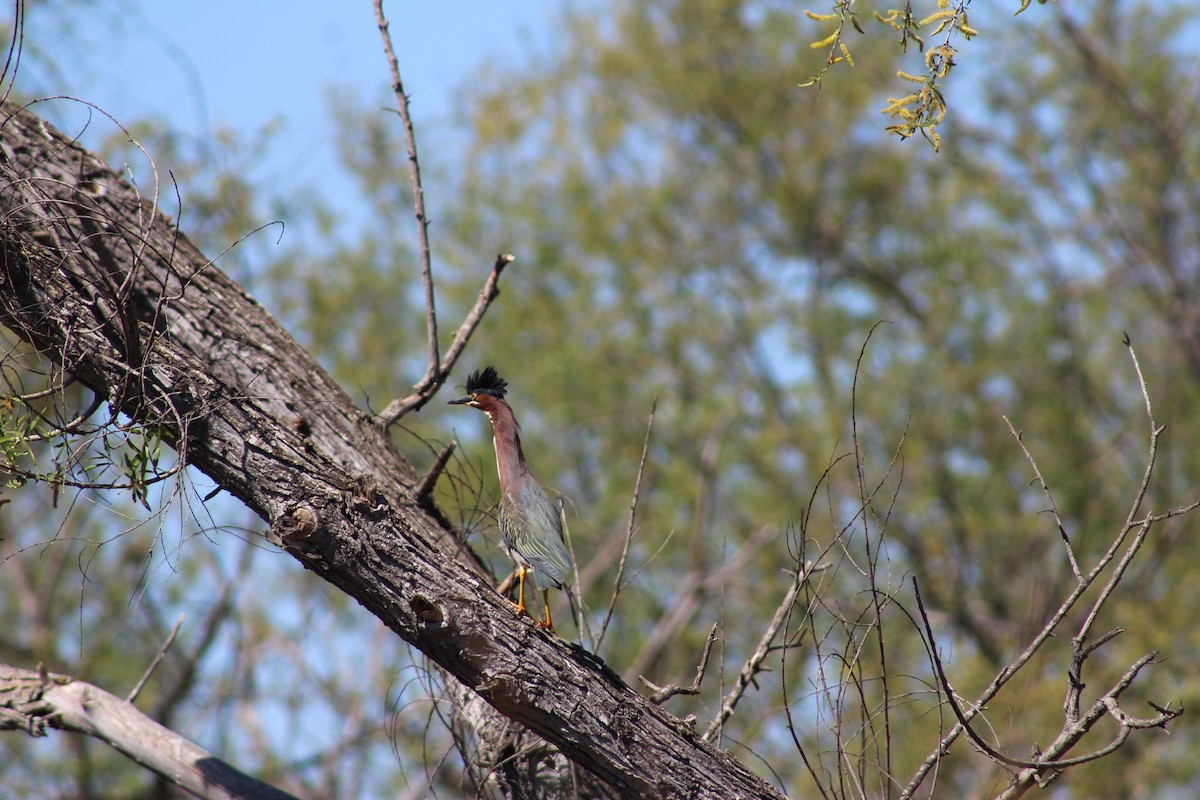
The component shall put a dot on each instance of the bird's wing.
(530, 524)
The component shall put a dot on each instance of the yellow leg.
(549, 623)
(521, 589)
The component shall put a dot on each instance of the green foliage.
(15, 429)
(690, 227)
(52, 433)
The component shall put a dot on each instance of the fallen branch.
(33, 701)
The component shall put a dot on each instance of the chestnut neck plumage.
(510, 460)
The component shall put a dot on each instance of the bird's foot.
(519, 608)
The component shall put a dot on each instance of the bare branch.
(1035, 773)
(414, 171)
(1073, 731)
(162, 651)
(427, 388)
(1062, 530)
(665, 693)
(72, 426)
(34, 700)
(487, 294)
(437, 368)
(630, 530)
(50, 391)
(754, 664)
(1085, 581)
(424, 488)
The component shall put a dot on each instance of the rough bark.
(31, 701)
(95, 278)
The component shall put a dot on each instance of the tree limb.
(224, 382)
(32, 701)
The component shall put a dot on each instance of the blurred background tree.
(695, 228)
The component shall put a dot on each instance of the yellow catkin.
(828, 40)
(948, 13)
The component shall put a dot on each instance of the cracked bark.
(94, 277)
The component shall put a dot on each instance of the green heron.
(530, 529)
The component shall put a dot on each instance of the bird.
(530, 528)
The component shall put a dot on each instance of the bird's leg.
(521, 589)
(549, 623)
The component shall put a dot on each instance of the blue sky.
(241, 65)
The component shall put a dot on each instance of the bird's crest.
(486, 381)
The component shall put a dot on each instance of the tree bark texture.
(96, 278)
(31, 701)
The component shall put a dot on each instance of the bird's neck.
(510, 460)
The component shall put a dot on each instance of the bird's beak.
(460, 401)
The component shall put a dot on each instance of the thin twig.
(1155, 431)
(664, 693)
(424, 487)
(801, 550)
(16, 45)
(689, 596)
(414, 172)
(427, 388)
(1062, 530)
(632, 527)
(1070, 734)
(70, 427)
(1131, 523)
(68, 380)
(753, 664)
(162, 652)
(872, 560)
(575, 590)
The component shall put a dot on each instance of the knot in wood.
(298, 524)
(502, 691)
(364, 493)
(427, 612)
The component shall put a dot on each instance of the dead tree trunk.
(93, 276)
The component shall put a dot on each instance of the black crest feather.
(486, 381)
